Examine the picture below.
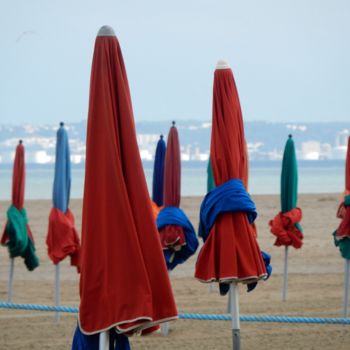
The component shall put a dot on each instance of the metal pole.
(164, 327)
(346, 288)
(104, 341)
(57, 291)
(285, 275)
(236, 336)
(10, 281)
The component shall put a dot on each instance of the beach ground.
(315, 289)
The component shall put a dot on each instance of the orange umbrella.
(124, 281)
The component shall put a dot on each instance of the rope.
(192, 316)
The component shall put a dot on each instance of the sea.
(264, 178)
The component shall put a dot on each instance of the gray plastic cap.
(222, 64)
(106, 31)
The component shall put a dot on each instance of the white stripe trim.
(234, 279)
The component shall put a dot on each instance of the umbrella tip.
(61, 124)
(20, 142)
(290, 136)
(173, 123)
(161, 136)
(106, 31)
(222, 64)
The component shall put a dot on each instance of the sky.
(290, 58)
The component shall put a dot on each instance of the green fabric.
(210, 178)
(19, 242)
(289, 179)
(347, 201)
(344, 246)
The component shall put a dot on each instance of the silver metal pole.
(10, 281)
(104, 341)
(236, 328)
(57, 291)
(346, 288)
(285, 275)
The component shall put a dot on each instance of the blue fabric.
(91, 342)
(62, 181)
(158, 173)
(267, 260)
(229, 197)
(175, 216)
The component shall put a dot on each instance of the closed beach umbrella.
(342, 234)
(158, 173)
(286, 224)
(124, 284)
(17, 235)
(230, 253)
(62, 239)
(177, 235)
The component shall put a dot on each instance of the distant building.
(310, 150)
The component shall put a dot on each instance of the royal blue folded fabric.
(176, 216)
(229, 197)
(91, 342)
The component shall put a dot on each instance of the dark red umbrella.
(177, 234)
(124, 282)
(17, 235)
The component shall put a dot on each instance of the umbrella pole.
(104, 341)
(285, 275)
(164, 327)
(346, 288)
(10, 281)
(236, 336)
(57, 290)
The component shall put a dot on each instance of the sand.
(315, 289)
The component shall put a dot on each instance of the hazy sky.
(290, 58)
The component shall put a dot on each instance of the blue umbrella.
(158, 173)
(62, 182)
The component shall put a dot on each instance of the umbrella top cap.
(61, 124)
(222, 64)
(161, 136)
(290, 136)
(173, 123)
(20, 142)
(106, 31)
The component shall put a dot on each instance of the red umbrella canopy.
(172, 171)
(231, 251)
(18, 177)
(347, 169)
(124, 281)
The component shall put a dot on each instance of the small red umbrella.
(230, 253)
(124, 281)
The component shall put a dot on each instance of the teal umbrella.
(286, 224)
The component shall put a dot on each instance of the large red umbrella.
(230, 253)
(17, 235)
(124, 281)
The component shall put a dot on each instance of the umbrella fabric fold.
(158, 173)
(230, 251)
(62, 239)
(177, 235)
(124, 282)
(286, 224)
(341, 235)
(181, 236)
(17, 235)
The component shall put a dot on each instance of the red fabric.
(124, 281)
(155, 209)
(283, 227)
(62, 239)
(231, 251)
(172, 237)
(172, 170)
(344, 228)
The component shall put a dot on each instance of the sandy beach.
(315, 289)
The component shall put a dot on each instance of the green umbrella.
(285, 226)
